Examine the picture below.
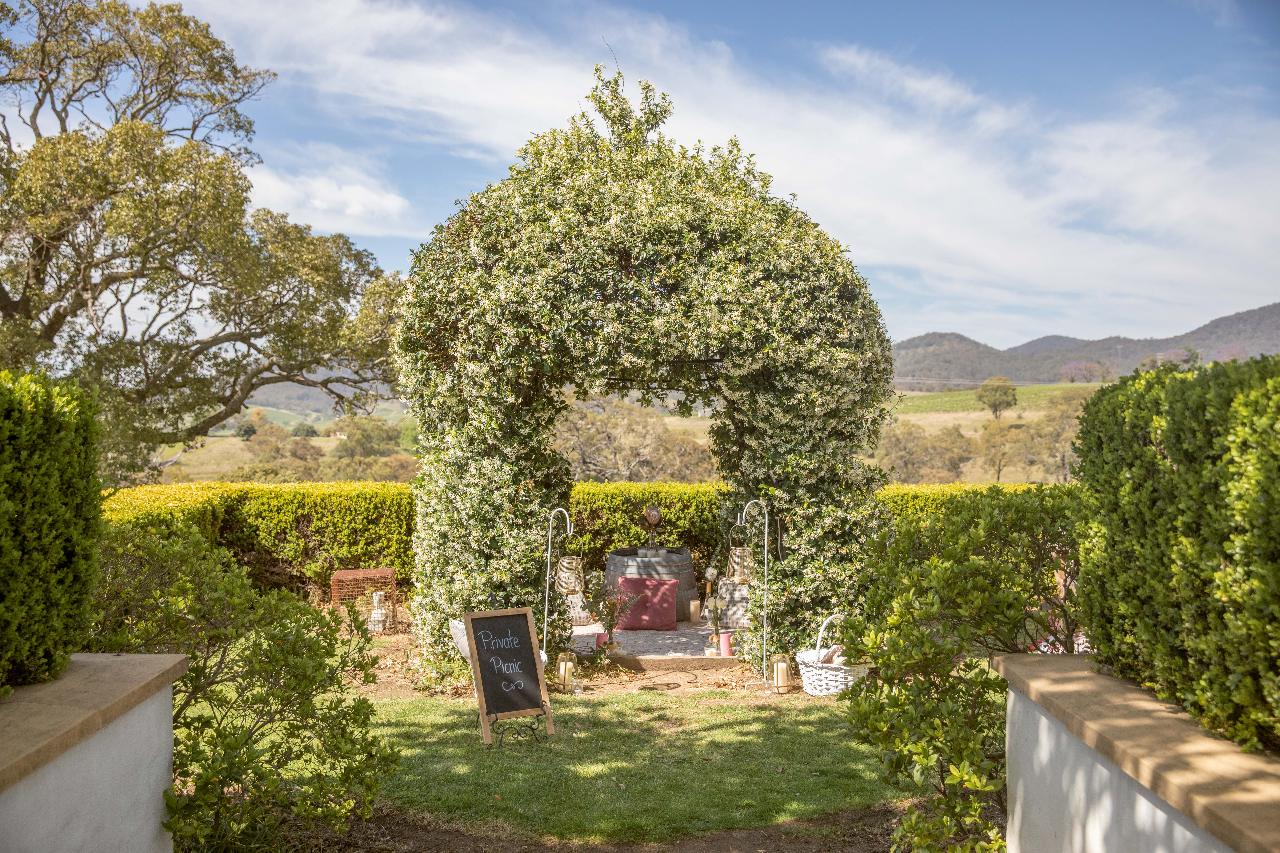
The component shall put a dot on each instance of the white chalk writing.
(490, 642)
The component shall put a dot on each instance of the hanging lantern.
(742, 563)
(569, 575)
(566, 671)
(781, 667)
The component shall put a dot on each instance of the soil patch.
(855, 831)
(396, 678)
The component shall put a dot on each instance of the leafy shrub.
(49, 507)
(1180, 583)
(267, 727)
(991, 574)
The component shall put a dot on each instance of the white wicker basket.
(825, 679)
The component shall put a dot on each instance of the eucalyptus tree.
(613, 260)
(130, 257)
(998, 394)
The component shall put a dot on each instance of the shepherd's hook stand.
(546, 587)
(742, 520)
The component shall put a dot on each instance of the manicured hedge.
(609, 515)
(49, 508)
(799, 601)
(290, 534)
(925, 499)
(201, 505)
(295, 534)
(1180, 578)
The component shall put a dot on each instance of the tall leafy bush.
(1180, 583)
(49, 508)
(991, 574)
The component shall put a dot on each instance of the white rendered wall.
(105, 794)
(1065, 796)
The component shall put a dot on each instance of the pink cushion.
(654, 609)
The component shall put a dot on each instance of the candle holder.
(566, 671)
(783, 679)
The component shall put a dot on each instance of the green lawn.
(632, 766)
(1029, 397)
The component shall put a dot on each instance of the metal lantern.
(566, 671)
(782, 678)
(569, 579)
(742, 564)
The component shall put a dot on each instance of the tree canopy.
(130, 257)
(612, 260)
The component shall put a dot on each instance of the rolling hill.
(946, 359)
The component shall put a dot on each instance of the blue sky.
(1005, 170)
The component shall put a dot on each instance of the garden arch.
(612, 260)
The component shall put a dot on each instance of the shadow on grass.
(632, 767)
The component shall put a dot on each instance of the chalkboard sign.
(506, 667)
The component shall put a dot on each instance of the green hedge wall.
(799, 601)
(608, 516)
(288, 535)
(1180, 577)
(298, 534)
(295, 533)
(49, 508)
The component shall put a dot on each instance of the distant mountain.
(940, 360)
(944, 359)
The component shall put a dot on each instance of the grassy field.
(632, 766)
(218, 457)
(222, 454)
(1030, 398)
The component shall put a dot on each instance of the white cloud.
(878, 71)
(1144, 222)
(1225, 13)
(333, 190)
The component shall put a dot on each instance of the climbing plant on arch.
(612, 260)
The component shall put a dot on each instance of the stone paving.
(688, 640)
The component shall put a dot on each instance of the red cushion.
(655, 606)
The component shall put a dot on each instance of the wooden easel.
(486, 718)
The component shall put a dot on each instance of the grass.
(1030, 397)
(632, 766)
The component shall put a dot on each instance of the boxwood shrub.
(1180, 576)
(49, 508)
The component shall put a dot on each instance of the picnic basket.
(826, 679)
